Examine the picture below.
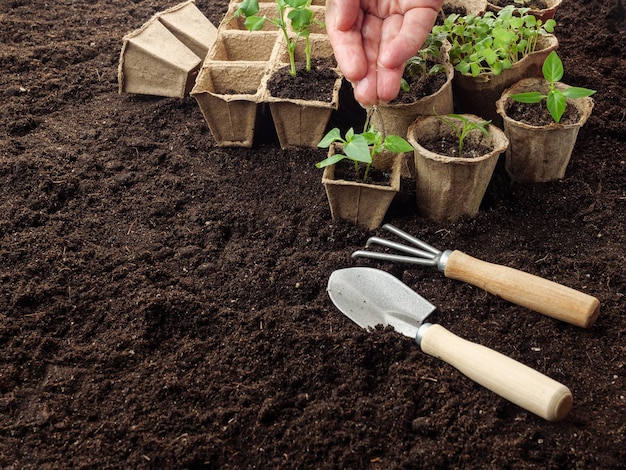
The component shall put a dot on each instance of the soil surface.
(532, 4)
(537, 114)
(316, 84)
(163, 300)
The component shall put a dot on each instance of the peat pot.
(300, 122)
(478, 95)
(449, 187)
(540, 153)
(365, 205)
(541, 14)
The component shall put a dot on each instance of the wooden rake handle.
(530, 291)
(518, 383)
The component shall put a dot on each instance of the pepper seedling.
(556, 100)
(463, 128)
(300, 15)
(361, 148)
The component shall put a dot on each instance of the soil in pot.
(420, 86)
(532, 4)
(448, 145)
(537, 114)
(344, 170)
(316, 84)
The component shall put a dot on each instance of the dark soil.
(532, 4)
(537, 114)
(448, 145)
(447, 10)
(344, 170)
(163, 300)
(315, 84)
(421, 86)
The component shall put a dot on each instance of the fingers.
(344, 20)
(403, 35)
(341, 15)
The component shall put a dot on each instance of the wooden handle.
(508, 378)
(538, 294)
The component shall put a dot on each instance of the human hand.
(373, 39)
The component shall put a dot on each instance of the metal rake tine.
(394, 258)
(411, 239)
(399, 247)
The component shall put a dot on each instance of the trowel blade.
(371, 297)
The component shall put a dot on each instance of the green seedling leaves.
(361, 148)
(556, 99)
(300, 16)
(492, 42)
(462, 126)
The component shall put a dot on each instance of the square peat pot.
(154, 62)
(365, 205)
(190, 27)
(303, 122)
(234, 45)
(230, 95)
(163, 57)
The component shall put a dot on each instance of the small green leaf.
(556, 104)
(577, 92)
(248, 8)
(358, 150)
(490, 56)
(371, 137)
(334, 135)
(397, 144)
(552, 68)
(300, 19)
(336, 158)
(254, 23)
(529, 97)
(296, 3)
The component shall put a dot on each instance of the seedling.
(361, 148)
(492, 42)
(463, 128)
(418, 64)
(556, 100)
(300, 14)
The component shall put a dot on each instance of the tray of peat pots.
(362, 173)
(542, 117)
(426, 89)
(304, 81)
(541, 9)
(491, 52)
(230, 88)
(455, 157)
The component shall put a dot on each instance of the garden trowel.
(371, 297)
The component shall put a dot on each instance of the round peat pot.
(449, 187)
(539, 154)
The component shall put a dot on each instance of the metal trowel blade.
(371, 297)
